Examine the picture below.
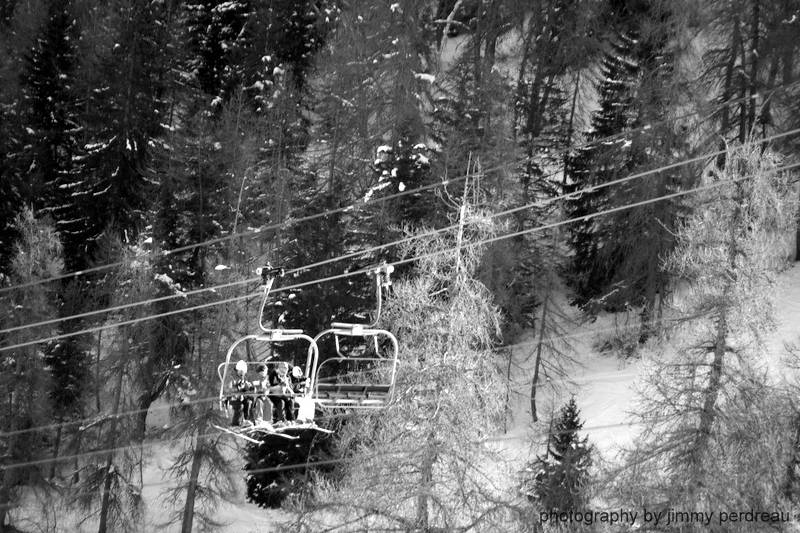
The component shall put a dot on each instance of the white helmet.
(241, 366)
(297, 372)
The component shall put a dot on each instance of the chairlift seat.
(350, 393)
(351, 329)
(279, 333)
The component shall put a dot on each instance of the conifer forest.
(414, 266)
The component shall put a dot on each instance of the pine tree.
(52, 129)
(127, 111)
(396, 168)
(594, 164)
(55, 180)
(246, 45)
(556, 481)
(273, 488)
(210, 32)
(314, 307)
(14, 41)
(613, 267)
(9, 194)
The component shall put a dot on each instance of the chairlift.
(269, 337)
(371, 385)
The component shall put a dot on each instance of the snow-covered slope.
(605, 386)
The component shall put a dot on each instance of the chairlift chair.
(270, 336)
(370, 389)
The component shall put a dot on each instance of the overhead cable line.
(538, 203)
(352, 206)
(92, 420)
(580, 381)
(396, 263)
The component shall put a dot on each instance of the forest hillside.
(478, 212)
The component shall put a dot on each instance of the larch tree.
(421, 463)
(108, 484)
(26, 403)
(751, 53)
(698, 402)
(554, 46)
(202, 467)
(52, 153)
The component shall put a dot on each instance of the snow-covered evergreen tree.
(127, 113)
(248, 45)
(613, 267)
(52, 131)
(557, 481)
(598, 163)
(9, 193)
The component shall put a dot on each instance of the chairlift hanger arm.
(383, 280)
(268, 274)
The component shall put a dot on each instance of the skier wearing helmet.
(239, 399)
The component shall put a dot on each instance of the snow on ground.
(787, 304)
(604, 385)
(236, 516)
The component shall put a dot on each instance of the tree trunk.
(520, 89)
(112, 441)
(794, 461)
(648, 308)
(103, 527)
(727, 90)
(711, 392)
(743, 103)
(5, 498)
(426, 483)
(508, 390)
(98, 403)
(448, 22)
(538, 362)
(707, 414)
(571, 126)
(191, 490)
(754, 66)
(56, 446)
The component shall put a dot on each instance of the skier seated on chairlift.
(240, 398)
(262, 406)
(281, 393)
(298, 380)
